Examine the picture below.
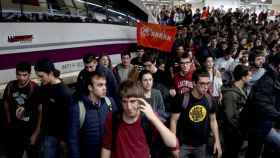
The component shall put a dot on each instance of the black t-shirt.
(137, 61)
(20, 97)
(162, 77)
(55, 100)
(194, 121)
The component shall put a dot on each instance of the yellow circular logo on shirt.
(197, 113)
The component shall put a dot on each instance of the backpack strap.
(109, 103)
(209, 100)
(148, 130)
(179, 129)
(116, 119)
(82, 113)
(186, 100)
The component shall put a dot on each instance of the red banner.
(28, 2)
(156, 36)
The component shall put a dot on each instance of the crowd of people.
(221, 81)
(183, 14)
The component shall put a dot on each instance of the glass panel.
(104, 11)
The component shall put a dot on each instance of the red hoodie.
(183, 84)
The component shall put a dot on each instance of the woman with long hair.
(105, 61)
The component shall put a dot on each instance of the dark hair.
(110, 62)
(204, 58)
(228, 51)
(89, 78)
(88, 58)
(253, 55)
(142, 73)
(244, 52)
(240, 71)
(276, 59)
(125, 53)
(140, 47)
(201, 72)
(23, 67)
(47, 66)
(92, 75)
(130, 89)
(161, 61)
(180, 45)
(149, 57)
(180, 27)
(184, 56)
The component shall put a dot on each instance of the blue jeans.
(256, 145)
(273, 138)
(50, 147)
(195, 152)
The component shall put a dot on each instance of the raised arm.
(168, 137)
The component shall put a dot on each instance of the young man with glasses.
(182, 80)
(191, 117)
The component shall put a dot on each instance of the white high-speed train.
(109, 29)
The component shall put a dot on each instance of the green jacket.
(233, 102)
